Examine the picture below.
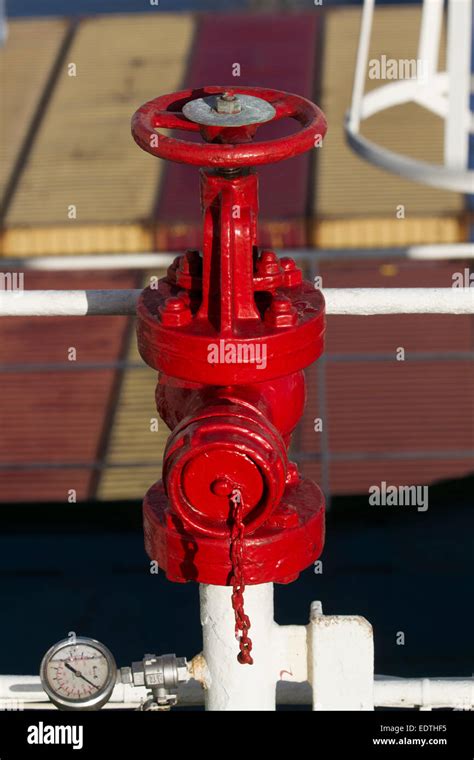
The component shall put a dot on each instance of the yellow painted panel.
(383, 232)
(132, 438)
(127, 482)
(85, 156)
(26, 61)
(76, 239)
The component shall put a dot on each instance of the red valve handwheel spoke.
(148, 118)
(291, 106)
(165, 112)
(172, 120)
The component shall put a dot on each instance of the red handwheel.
(227, 119)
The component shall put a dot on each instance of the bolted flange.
(276, 552)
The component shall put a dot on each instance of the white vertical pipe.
(234, 686)
(456, 135)
(430, 34)
(361, 65)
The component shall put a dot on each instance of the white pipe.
(68, 303)
(233, 686)
(427, 252)
(355, 301)
(424, 692)
(430, 34)
(361, 65)
(456, 135)
(26, 690)
(373, 301)
(82, 262)
(163, 259)
(26, 693)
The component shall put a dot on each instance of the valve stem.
(228, 103)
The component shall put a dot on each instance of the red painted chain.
(242, 622)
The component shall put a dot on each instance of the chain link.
(242, 622)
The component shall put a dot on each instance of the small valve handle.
(234, 148)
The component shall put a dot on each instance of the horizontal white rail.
(373, 301)
(149, 260)
(26, 692)
(457, 693)
(349, 301)
(68, 303)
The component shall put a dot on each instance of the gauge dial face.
(78, 673)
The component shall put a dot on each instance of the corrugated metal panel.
(133, 438)
(273, 51)
(57, 416)
(393, 406)
(26, 61)
(356, 203)
(84, 154)
(350, 478)
(133, 441)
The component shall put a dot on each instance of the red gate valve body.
(230, 330)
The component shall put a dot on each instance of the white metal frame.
(446, 94)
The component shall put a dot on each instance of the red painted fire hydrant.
(230, 330)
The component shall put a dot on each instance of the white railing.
(347, 301)
(148, 260)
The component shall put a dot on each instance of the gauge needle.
(80, 675)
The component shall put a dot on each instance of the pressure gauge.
(78, 673)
